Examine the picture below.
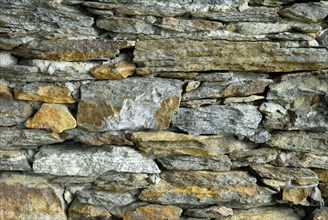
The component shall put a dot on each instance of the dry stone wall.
(166, 109)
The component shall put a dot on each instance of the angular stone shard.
(307, 12)
(190, 189)
(129, 104)
(13, 112)
(120, 70)
(99, 138)
(176, 55)
(78, 210)
(322, 174)
(14, 160)
(55, 117)
(113, 181)
(75, 160)
(228, 89)
(12, 137)
(23, 197)
(198, 103)
(251, 98)
(71, 50)
(4, 90)
(182, 25)
(182, 162)
(266, 213)
(44, 93)
(151, 212)
(310, 142)
(289, 175)
(237, 119)
(170, 143)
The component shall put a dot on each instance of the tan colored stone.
(44, 93)
(296, 195)
(166, 143)
(30, 197)
(120, 70)
(320, 214)
(79, 210)
(5, 91)
(324, 189)
(192, 85)
(322, 174)
(55, 117)
(151, 212)
(251, 98)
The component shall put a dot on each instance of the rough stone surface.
(120, 70)
(71, 50)
(13, 112)
(181, 162)
(254, 156)
(238, 119)
(44, 93)
(79, 210)
(55, 117)
(170, 143)
(310, 142)
(63, 160)
(14, 160)
(297, 159)
(23, 197)
(158, 56)
(211, 212)
(130, 104)
(12, 137)
(151, 212)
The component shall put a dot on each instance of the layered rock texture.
(163, 110)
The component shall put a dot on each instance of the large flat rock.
(177, 55)
(129, 104)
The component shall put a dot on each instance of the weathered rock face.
(23, 197)
(237, 119)
(65, 160)
(129, 104)
(210, 55)
(166, 109)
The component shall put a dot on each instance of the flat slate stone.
(76, 160)
(13, 112)
(176, 55)
(237, 119)
(128, 104)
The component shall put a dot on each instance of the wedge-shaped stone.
(30, 197)
(44, 93)
(119, 70)
(305, 196)
(237, 119)
(182, 25)
(222, 90)
(4, 90)
(166, 55)
(310, 142)
(78, 210)
(129, 104)
(190, 189)
(251, 98)
(76, 160)
(14, 160)
(253, 156)
(111, 200)
(308, 12)
(123, 181)
(265, 213)
(298, 159)
(170, 143)
(163, 8)
(322, 174)
(182, 162)
(151, 212)
(299, 176)
(13, 112)
(55, 117)
(71, 49)
(12, 137)
(99, 138)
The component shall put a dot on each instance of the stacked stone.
(167, 109)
